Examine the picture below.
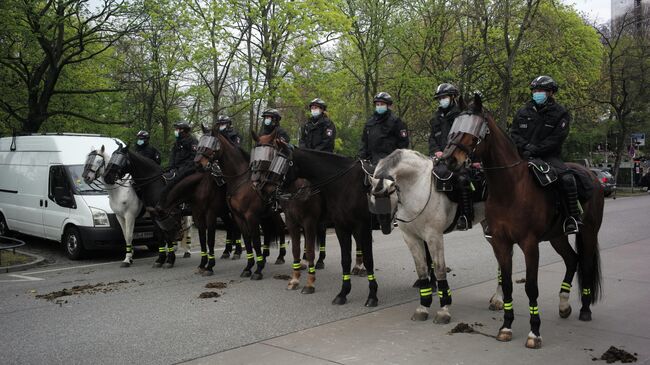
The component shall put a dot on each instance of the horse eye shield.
(469, 123)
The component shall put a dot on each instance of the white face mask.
(444, 102)
(222, 127)
(268, 121)
(315, 112)
(177, 133)
(140, 142)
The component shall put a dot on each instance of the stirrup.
(462, 224)
(570, 226)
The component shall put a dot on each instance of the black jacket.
(440, 125)
(383, 134)
(318, 134)
(268, 129)
(183, 153)
(232, 136)
(149, 152)
(541, 130)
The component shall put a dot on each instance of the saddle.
(447, 182)
(546, 175)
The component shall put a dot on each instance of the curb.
(37, 261)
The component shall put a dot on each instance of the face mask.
(444, 103)
(140, 142)
(222, 127)
(539, 97)
(268, 121)
(177, 133)
(315, 112)
(381, 109)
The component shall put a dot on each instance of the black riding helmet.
(182, 126)
(273, 113)
(318, 102)
(446, 89)
(224, 119)
(383, 96)
(143, 135)
(544, 83)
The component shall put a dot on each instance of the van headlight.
(100, 218)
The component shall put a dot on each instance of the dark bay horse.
(248, 209)
(345, 203)
(208, 201)
(519, 211)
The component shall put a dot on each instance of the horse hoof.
(303, 266)
(246, 274)
(442, 317)
(565, 313)
(125, 264)
(308, 290)
(420, 316)
(257, 276)
(293, 286)
(585, 316)
(372, 302)
(168, 265)
(208, 273)
(339, 300)
(236, 256)
(496, 305)
(363, 272)
(187, 254)
(534, 342)
(225, 256)
(200, 270)
(504, 335)
(279, 261)
(355, 271)
(320, 265)
(157, 265)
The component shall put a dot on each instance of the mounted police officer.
(224, 124)
(443, 118)
(384, 132)
(539, 130)
(271, 121)
(319, 132)
(143, 147)
(181, 162)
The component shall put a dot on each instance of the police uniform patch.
(403, 133)
(193, 147)
(329, 132)
(523, 126)
(563, 124)
(238, 140)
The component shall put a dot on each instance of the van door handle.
(45, 203)
(41, 202)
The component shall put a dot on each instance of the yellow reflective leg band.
(371, 277)
(312, 270)
(162, 249)
(322, 248)
(566, 286)
(228, 240)
(346, 277)
(534, 310)
(210, 257)
(586, 291)
(359, 252)
(171, 249)
(433, 267)
(284, 245)
(203, 253)
(426, 292)
(440, 293)
(129, 248)
(238, 242)
(250, 256)
(507, 306)
(260, 258)
(296, 266)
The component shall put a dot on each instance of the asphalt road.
(156, 317)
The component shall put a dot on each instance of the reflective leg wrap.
(204, 259)
(129, 248)
(296, 265)
(359, 253)
(444, 293)
(321, 253)
(585, 299)
(228, 246)
(426, 294)
(311, 270)
(238, 246)
(565, 287)
(508, 314)
(535, 321)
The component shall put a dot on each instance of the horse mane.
(181, 189)
(148, 163)
(393, 160)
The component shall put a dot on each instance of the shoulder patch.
(563, 124)
(193, 147)
(329, 132)
(403, 133)
(238, 140)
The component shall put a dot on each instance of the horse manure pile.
(614, 354)
(281, 277)
(520, 281)
(85, 289)
(216, 285)
(462, 328)
(209, 294)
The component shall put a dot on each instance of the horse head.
(270, 162)
(117, 165)
(470, 128)
(206, 149)
(95, 165)
(383, 201)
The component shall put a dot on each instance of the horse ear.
(255, 137)
(103, 149)
(205, 129)
(461, 103)
(478, 102)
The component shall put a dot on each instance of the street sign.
(638, 138)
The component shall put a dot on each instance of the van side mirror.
(62, 198)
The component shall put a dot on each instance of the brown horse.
(513, 195)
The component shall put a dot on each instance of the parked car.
(606, 180)
(42, 194)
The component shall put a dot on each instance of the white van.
(42, 193)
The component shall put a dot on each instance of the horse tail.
(273, 229)
(589, 272)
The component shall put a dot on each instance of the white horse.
(123, 200)
(423, 214)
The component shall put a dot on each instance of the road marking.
(20, 278)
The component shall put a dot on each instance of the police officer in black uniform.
(143, 147)
(271, 121)
(319, 132)
(224, 123)
(539, 130)
(181, 161)
(384, 132)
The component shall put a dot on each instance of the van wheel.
(73, 244)
(4, 229)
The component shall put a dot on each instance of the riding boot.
(572, 220)
(467, 213)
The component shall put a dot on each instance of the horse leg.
(570, 257)
(310, 242)
(589, 275)
(171, 256)
(320, 239)
(435, 243)
(211, 237)
(363, 234)
(358, 268)
(531, 253)
(127, 224)
(162, 249)
(496, 302)
(416, 247)
(204, 250)
(294, 233)
(422, 259)
(345, 241)
(250, 256)
(279, 226)
(187, 233)
(503, 253)
(261, 259)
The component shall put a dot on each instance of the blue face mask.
(268, 121)
(381, 109)
(444, 103)
(140, 142)
(539, 97)
(315, 113)
(177, 133)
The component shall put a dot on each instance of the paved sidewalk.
(388, 336)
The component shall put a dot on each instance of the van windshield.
(79, 186)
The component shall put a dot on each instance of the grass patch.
(8, 258)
